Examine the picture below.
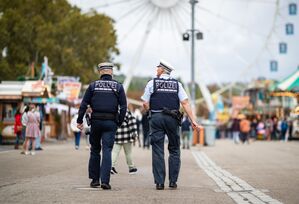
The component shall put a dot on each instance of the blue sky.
(240, 37)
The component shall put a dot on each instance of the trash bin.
(209, 132)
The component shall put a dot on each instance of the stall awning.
(16, 90)
(11, 90)
(291, 83)
(35, 89)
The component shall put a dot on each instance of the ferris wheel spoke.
(135, 25)
(211, 69)
(188, 51)
(238, 56)
(276, 35)
(269, 52)
(177, 28)
(139, 50)
(116, 3)
(227, 20)
(253, 1)
(131, 11)
(249, 67)
(282, 17)
(233, 49)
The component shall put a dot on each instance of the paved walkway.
(263, 172)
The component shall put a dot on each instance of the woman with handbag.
(18, 128)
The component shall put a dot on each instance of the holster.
(176, 114)
(87, 117)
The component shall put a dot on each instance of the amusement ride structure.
(152, 29)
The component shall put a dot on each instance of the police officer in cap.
(107, 100)
(163, 95)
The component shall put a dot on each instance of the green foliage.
(74, 43)
(138, 83)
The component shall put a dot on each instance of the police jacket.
(165, 94)
(104, 96)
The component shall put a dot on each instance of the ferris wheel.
(238, 37)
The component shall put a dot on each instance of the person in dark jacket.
(186, 128)
(106, 97)
(236, 130)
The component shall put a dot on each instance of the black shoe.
(133, 170)
(39, 149)
(159, 186)
(95, 184)
(113, 171)
(105, 186)
(173, 185)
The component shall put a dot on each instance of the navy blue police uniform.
(107, 100)
(164, 93)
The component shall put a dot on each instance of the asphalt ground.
(58, 174)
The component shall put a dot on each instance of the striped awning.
(291, 83)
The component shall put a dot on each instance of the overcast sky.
(240, 37)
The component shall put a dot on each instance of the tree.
(74, 43)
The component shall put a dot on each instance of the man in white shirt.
(163, 96)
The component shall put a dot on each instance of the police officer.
(165, 93)
(106, 97)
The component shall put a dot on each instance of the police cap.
(166, 66)
(105, 65)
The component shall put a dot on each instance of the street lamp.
(186, 36)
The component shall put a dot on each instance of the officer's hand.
(196, 126)
(80, 126)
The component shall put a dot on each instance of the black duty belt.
(176, 114)
(103, 116)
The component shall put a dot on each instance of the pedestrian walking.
(38, 140)
(290, 130)
(236, 130)
(261, 130)
(32, 129)
(275, 132)
(186, 130)
(24, 121)
(76, 131)
(253, 126)
(105, 97)
(18, 128)
(163, 96)
(125, 137)
(284, 128)
(244, 129)
(268, 128)
(137, 115)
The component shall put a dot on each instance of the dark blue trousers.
(77, 138)
(161, 124)
(101, 138)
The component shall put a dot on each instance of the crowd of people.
(242, 128)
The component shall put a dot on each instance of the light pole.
(186, 37)
(192, 2)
